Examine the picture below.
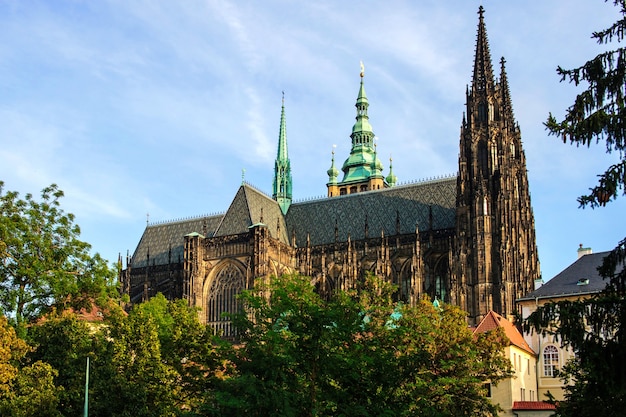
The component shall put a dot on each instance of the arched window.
(222, 299)
(550, 361)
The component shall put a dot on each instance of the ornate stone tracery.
(220, 296)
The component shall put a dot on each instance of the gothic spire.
(507, 106)
(483, 72)
(282, 168)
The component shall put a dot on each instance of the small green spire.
(282, 168)
(333, 172)
(391, 178)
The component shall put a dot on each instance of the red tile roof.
(493, 320)
(532, 405)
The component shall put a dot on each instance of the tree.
(44, 264)
(158, 360)
(595, 328)
(357, 354)
(25, 390)
(188, 348)
(65, 342)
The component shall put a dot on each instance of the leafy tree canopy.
(25, 389)
(43, 263)
(357, 354)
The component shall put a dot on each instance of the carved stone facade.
(467, 239)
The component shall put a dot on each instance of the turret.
(333, 173)
(362, 171)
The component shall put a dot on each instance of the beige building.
(517, 396)
(578, 281)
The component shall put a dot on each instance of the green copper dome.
(362, 163)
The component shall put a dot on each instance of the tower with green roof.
(362, 171)
(282, 167)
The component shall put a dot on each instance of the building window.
(342, 191)
(550, 361)
(523, 394)
(222, 298)
(488, 389)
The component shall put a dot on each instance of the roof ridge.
(184, 219)
(257, 189)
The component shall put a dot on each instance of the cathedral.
(467, 239)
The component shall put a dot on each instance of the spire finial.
(283, 98)
(243, 176)
(391, 179)
(362, 69)
(332, 172)
(483, 74)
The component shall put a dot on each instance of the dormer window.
(583, 281)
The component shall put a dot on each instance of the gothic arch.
(405, 282)
(437, 276)
(221, 287)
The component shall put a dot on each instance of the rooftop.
(580, 278)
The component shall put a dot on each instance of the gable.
(250, 206)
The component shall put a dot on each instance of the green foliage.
(594, 328)
(156, 361)
(64, 342)
(25, 390)
(599, 112)
(358, 354)
(43, 262)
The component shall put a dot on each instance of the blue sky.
(136, 107)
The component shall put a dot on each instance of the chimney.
(583, 251)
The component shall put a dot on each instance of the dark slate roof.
(251, 206)
(565, 283)
(420, 203)
(159, 239)
(413, 204)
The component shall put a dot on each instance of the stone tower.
(282, 167)
(496, 250)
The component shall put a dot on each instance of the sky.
(150, 110)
